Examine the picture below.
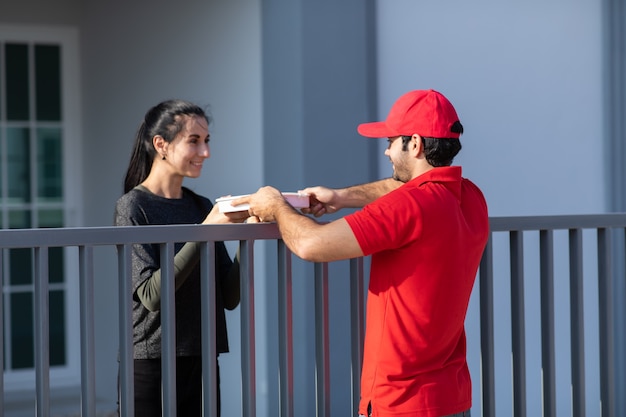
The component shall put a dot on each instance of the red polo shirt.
(426, 240)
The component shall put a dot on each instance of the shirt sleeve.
(387, 223)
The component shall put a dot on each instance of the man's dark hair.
(439, 152)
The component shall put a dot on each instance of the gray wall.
(318, 84)
(204, 51)
(35, 12)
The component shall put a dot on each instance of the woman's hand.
(217, 217)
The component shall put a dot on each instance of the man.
(426, 229)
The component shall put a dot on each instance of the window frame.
(67, 38)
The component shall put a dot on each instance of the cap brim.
(376, 130)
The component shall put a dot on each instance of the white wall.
(525, 78)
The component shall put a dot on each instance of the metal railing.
(610, 230)
(122, 238)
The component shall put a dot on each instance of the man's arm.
(326, 200)
(305, 237)
(316, 242)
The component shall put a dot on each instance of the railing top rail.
(583, 221)
(116, 235)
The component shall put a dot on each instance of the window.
(39, 159)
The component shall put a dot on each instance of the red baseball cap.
(425, 112)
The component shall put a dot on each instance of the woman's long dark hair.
(162, 120)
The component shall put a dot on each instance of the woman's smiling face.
(187, 152)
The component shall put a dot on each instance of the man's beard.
(397, 177)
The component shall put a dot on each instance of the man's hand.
(263, 204)
(322, 201)
(304, 236)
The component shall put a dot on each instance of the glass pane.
(57, 328)
(48, 82)
(18, 164)
(49, 165)
(19, 219)
(22, 336)
(56, 265)
(21, 266)
(16, 81)
(50, 218)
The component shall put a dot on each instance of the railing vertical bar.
(2, 317)
(126, 371)
(285, 330)
(322, 363)
(577, 322)
(248, 365)
(518, 323)
(487, 331)
(208, 317)
(87, 340)
(42, 333)
(357, 327)
(546, 260)
(168, 330)
(620, 318)
(607, 337)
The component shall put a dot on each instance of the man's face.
(399, 158)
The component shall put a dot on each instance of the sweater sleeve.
(149, 292)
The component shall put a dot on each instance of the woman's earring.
(163, 158)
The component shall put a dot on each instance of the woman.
(172, 143)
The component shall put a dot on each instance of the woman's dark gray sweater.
(140, 207)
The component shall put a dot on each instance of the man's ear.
(416, 145)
